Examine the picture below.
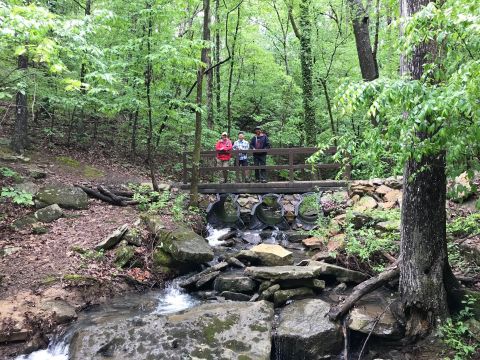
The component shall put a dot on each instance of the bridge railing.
(296, 161)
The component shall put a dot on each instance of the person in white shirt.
(242, 144)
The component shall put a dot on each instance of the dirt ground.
(36, 269)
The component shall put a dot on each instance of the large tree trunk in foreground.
(20, 136)
(366, 56)
(425, 275)
(198, 114)
(423, 244)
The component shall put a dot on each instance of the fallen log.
(95, 194)
(108, 193)
(362, 289)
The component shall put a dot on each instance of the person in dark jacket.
(258, 142)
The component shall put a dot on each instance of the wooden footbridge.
(291, 173)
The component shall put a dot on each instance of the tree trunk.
(134, 133)
(209, 82)
(148, 82)
(198, 114)
(329, 108)
(20, 136)
(307, 79)
(230, 74)
(424, 265)
(366, 58)
(217, 59)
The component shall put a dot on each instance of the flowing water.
(169, 300)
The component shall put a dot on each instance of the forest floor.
(37, 267)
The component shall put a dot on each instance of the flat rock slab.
(313, 269)
(231, 330)
(287, 272)
(305, 332)
(234, 283)
(67, 197)
(113, 239)
(272, 255)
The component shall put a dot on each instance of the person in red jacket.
(223, 148)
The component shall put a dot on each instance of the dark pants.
(259, 160)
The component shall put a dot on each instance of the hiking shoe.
(264, 181)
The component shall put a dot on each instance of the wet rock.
(322, 255)
(296, 237)
(281, 297)
(204, 276)
(305, 332)
(229, 295)
(113, 239)
(373, 314)
(67, 197)
(268, 293)
(234, 283)
(206, 279)
(49, 213)
(185, 246)
(62, 312)
(232, 330)
(365, 203)
(235, 262)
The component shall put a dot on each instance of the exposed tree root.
(362, 289)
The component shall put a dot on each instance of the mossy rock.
(67, 197)
(91, 172)
(123, 255)
(68, 161)
(185, 246)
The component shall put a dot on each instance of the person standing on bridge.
(258, 142)
(242, 144)
(223, 148)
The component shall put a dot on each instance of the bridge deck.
(277, 187)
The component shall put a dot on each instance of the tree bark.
(20, 136)
(303, 33)
(424, 269)
(209, 82)
(366, 58)
(148, 82)
(230, 74)
(198, 114)
(217, 59)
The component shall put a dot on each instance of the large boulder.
(67, 197)
(305, 332)
(185, 246)
(231, 330)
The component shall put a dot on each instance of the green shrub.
(19, 197)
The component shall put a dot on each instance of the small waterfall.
(174, 299)
(214, 235)
(57, 350)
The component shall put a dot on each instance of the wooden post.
(290, 163)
